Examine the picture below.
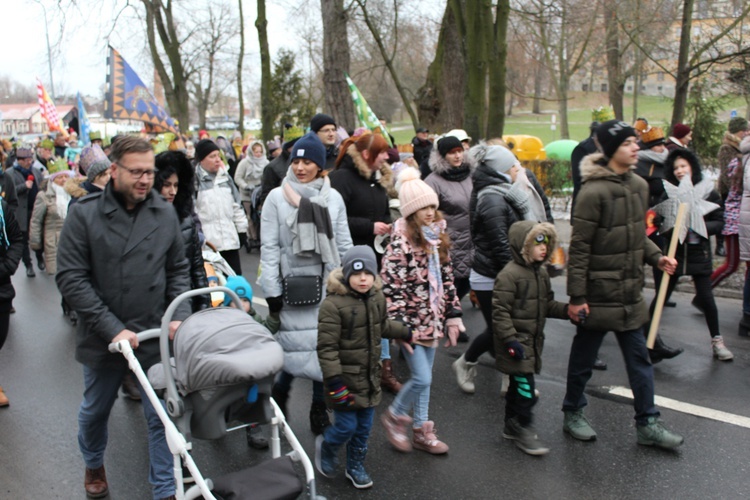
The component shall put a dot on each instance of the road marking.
(691, 409)
(260, 301)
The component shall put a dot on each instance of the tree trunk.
(536, 107)
(159, 18)
(440, 101)
(336, 59)
(477, 33)
(497, 72)
(240, 60)
(637, 83)
(683, 71)
(614, 79)
(266, 108)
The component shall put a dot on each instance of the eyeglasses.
(137, 173)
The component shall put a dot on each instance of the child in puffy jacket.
(521, 300)
(352, 319)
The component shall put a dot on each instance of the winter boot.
(326, 457)
(130, 387)
(319, 419)
(395, 429)
(465, 374)
(355, 467)
(525, 438)
(662, 351)
(744, 329)
(388, 380)
(425, 439)
(720, 350)
(655, 434)
(577, 425)
(281, 398)
(3, 399)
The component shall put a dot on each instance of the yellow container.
(526, 147)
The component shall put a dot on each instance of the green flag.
(366, 117)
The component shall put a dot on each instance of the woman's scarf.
(521, 195)
(432, 234)
(456, 174)
(62, 200)
(310, 222)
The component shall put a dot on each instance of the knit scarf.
(310, 222)
(456, 174)
(431, 233)
(522, 197)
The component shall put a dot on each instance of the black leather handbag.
(302, 290)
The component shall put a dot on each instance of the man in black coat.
(121, 261)
(422, 145)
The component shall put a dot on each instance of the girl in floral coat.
(418, 285)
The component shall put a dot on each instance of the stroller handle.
(145, 335)
(175, 406)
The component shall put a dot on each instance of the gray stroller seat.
(223, 367)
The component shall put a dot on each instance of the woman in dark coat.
(174, 181)
(694, 257)
(11, 249)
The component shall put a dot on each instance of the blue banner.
(83, 123)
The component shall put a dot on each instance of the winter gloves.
(515, 349)
(339, 393)
(275, 304)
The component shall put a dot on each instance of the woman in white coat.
(304, 232)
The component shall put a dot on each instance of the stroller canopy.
(223, 346)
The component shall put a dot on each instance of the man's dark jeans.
(583, 354)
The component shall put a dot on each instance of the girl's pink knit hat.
(413, 193)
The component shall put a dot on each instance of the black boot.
(281, 397)
(744, 329)
(663, 351)
(319, 417)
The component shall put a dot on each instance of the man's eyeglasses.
(137, 173)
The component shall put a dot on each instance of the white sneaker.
(465, 374)
(720, 350)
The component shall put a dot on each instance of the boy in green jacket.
(521, 300)
(352, 320)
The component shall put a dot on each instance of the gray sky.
(80, 62)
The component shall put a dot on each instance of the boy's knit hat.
(240, 286)
(321, 120)
(359, 258)
(310, 148)
(413, 193)
(611, 134)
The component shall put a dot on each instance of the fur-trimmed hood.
(594, 167)
(337, 286)
(731, 140)
(74, 187)
(384, 175)
(522, 235)
(440, 165)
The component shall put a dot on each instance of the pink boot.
(395, 428)
(426, 440)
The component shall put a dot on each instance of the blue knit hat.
(310, 147)
(240, 286)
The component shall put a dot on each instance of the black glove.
(515, 349)
(275, 304)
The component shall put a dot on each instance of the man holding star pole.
(607, 251)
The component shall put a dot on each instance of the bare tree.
(388, 58)
(240, 60)
(336, 61)
(266, 110)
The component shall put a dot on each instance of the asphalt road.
(39, 457)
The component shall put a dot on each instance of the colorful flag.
(366, 116)
(83, 123)
(128, 98)
(49, 111)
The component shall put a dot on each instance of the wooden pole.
(661, 296)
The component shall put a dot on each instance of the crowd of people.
(361, 245)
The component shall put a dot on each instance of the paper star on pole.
(697, 206)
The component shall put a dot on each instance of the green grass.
(657, 110)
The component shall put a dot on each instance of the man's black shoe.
(599, 365)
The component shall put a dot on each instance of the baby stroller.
(210, 384)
